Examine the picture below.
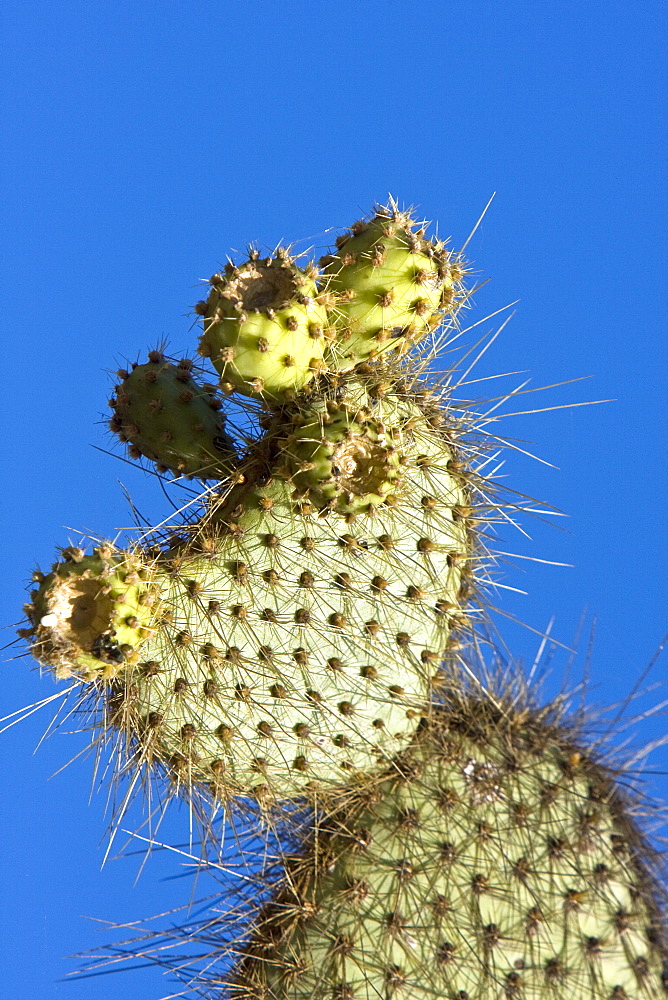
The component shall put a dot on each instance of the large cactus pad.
(295, 647)
(293, 643)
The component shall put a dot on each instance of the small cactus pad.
(91, 613)
(264, 329)
(496, 861)
(296, 648)
(387, 285)
(165, 416)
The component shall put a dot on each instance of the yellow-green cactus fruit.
(166, 416)
(495, 861)
(91, 614)
(388, 286)
(264, 326)
(341, 453)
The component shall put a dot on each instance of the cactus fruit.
(168, 418)
(388, 286)
(495, 859)
(264, 328)
(345, 450)
(91, 613)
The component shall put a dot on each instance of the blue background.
(145, 140)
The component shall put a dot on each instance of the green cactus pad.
(388, 287)
(294, 648)
(264, 328)
(496, 861)
(90, 614)
(168, 418)
(291, 645)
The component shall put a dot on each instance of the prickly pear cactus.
(494, 860)
(295, 640)
(287, 649)
(264, 327)
(165, 416)
(389, 286)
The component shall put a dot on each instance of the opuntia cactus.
(292, 642)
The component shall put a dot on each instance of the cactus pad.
(295, 639)
(168, 418)
(363, 443)
(296, 649)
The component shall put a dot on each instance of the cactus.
(264, 328)
(294, 644)
(495, 859)
(288, 650)
(389, 286)
(168, 418)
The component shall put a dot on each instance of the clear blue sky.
(143, 140)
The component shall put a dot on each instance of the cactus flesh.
(92, 613)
